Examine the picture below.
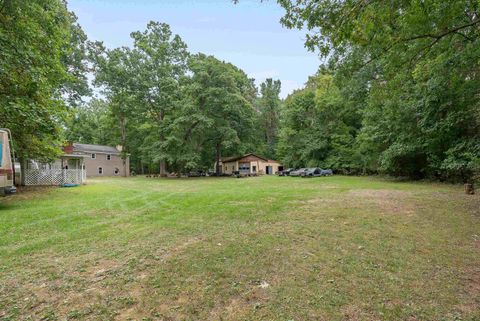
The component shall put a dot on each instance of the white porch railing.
(54, 176)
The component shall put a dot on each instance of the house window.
(109, 157)
(254, 169)
(100, 170)
(94, 156)
(116, 171)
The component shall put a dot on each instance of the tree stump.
(469, 189)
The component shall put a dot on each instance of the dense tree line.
(398, 94)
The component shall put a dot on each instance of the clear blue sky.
(248, 34)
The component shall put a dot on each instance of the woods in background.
(404, 88)
(398, 94)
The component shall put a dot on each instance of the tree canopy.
(269, 108)
(42, 72)
(409, 71)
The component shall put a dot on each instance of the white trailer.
(7, 184)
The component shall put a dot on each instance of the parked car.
(312, 172)
(214, 174)
(196, 174)
(298, 172)
(326, 172)
(285, 172)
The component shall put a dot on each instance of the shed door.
(244, 168)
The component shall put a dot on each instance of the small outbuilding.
(249, 164)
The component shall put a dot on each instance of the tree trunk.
(469, 189)
(123, 133)
(163, 169)
(163, 166)
(218, 158)
(124, 166)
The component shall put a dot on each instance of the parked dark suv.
(285, 172)
(312, 172)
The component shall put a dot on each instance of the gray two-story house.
(100, 160)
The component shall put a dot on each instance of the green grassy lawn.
(266, 248)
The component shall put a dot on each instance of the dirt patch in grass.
(388, 201)
(471, 279)
(353, 312)
(100, 270)
(230, 309)
(380, 193)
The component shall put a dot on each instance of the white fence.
(54, 176)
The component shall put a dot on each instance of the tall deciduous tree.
(316, 127)
(115, 72)
(92, 124)
(162, 63)
(270, 103)
(224, 95)
(38, 73)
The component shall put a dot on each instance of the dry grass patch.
(388, 201)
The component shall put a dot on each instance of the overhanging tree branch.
(443, 34)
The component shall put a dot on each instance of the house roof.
(73, 156)
(95, 148)
(235, 158)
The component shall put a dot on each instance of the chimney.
(119, 148)
(68, 148)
